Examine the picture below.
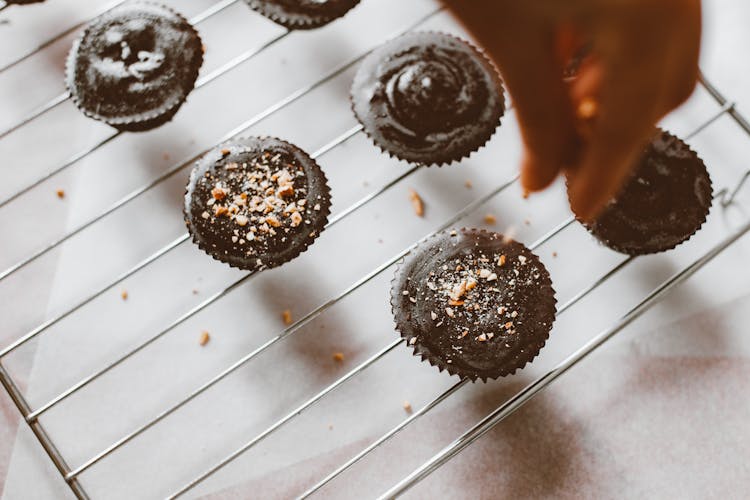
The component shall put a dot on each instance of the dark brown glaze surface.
(473, 303)
(663, 204)
(428, 98)
(256, 203)
(302, 14)
(133, 66)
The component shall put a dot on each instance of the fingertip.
(536, 174)
(585, 200)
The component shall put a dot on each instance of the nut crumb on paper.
(204, 338)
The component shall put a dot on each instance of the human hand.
(643, 63)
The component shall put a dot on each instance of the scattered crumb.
(225, 152)
(554, 254)
(286, 316)
(468, 184)
(124, 295)
(60, 193)
(165, 156)
(195, 291)
(380, 240)
(330, 427)
(490, 219)
(365, 183)
(407, 407)
(338, 357)
(416, 203)
(205, 337)
(525, 194)
(527, 222)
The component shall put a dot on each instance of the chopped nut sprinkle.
(468, 184)
(124, 295)
(338, 357)
(60, 193)
(407, 407)
(490, 219)
(587, 109)
(219, 193)
(204, 338)
(286, 316)
(416, 203)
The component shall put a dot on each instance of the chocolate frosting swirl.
(302, 14)
(134, 64)
(428, 98)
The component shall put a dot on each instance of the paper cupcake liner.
(648, 250)
(471, 147)
(283, 16)
(318, 183)
(139, 122)
(518, 355)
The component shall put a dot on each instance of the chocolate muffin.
(474, 303)
(428, 98)
(134, 66)
(302, 14)
(664, 202)
(256, 203)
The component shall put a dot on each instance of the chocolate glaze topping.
(428, 98)
(302, 14)
(665, 201)
(473, 303)
(256, 203)
(134, 66)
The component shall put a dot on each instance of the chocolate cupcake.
(134, 66)
(664, 202)
(302, 14)
(428, 98)
(256, 203)
(474, 303)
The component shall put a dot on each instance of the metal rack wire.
(71, 474)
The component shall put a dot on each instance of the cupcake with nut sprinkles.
(256, 203)
(473, 303)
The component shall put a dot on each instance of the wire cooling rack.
(97, 359)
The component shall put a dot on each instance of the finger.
(629, 107)
(523, 46)
(683, 68)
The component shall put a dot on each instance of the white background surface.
(661, 410)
